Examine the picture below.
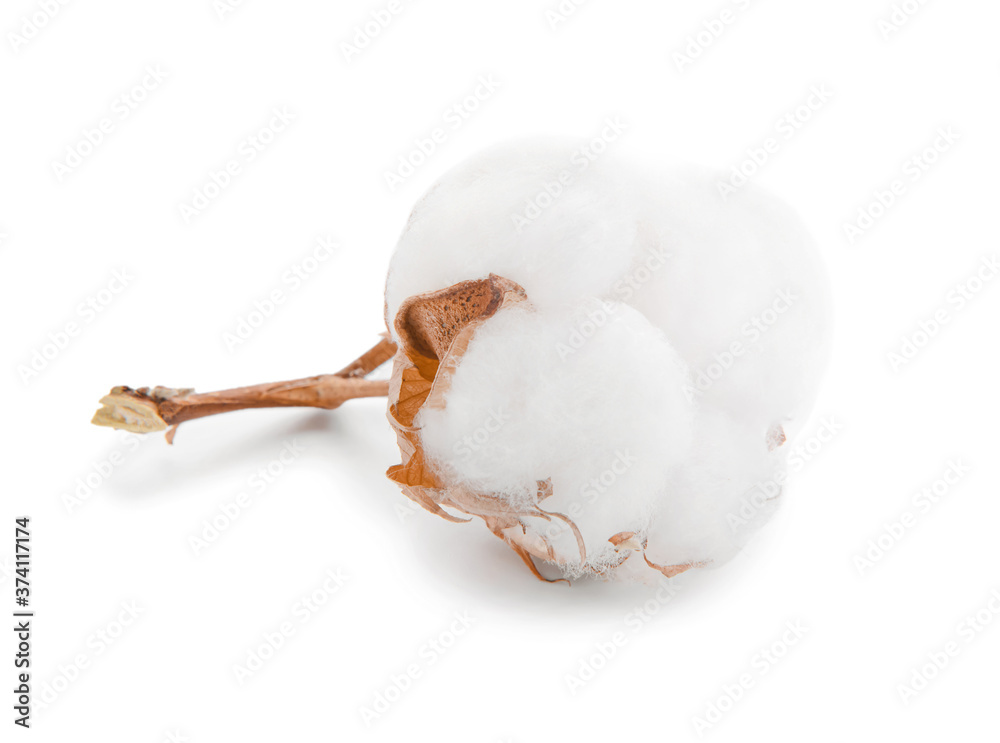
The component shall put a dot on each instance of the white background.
(169, 675)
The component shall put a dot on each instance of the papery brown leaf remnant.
(630, 540)
(626, 540)
(775, 437)
(671, 571)
(433, 328)
(434, 331)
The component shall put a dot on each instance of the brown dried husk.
(434, 331)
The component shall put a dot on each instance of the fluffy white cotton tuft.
(607, 422)
(472, 223)
(670, 340)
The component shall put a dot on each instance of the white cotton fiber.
(464, 228)
(719, 499)
(607, 423)
(669, 338)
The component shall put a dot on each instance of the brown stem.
(370, 360)
(147, 410)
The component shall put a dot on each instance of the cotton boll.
(626, 388)
(472, 223)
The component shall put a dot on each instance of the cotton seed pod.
(603, 363)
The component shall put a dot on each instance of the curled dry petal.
(775, 437)
(671, 571)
